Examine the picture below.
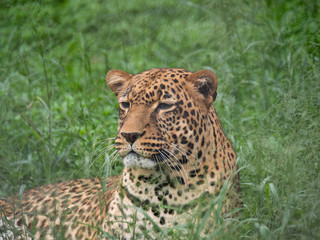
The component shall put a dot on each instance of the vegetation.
(57, 116)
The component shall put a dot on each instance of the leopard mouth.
(134, 160)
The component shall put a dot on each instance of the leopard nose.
(131, 137)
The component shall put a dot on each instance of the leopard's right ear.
(118, 80)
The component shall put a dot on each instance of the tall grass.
(57, 115)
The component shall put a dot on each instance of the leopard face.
(162, 115)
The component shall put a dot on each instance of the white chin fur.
(133, 160)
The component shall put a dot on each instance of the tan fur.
(175, 153)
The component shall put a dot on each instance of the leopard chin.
(133, 160)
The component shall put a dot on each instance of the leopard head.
(163, 115)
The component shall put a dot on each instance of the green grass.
(55, 106)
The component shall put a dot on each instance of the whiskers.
(178, 167)
(174, 160)
(167, 160)
(103, 149)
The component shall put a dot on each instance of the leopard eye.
(125, 105)
(164, 106)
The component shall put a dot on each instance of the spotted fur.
(174, 151)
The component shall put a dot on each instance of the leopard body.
(175, 154)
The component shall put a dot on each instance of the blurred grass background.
(57, 115)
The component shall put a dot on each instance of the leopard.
(174, 151)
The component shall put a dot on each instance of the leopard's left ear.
(205, 82)
(118, 80)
